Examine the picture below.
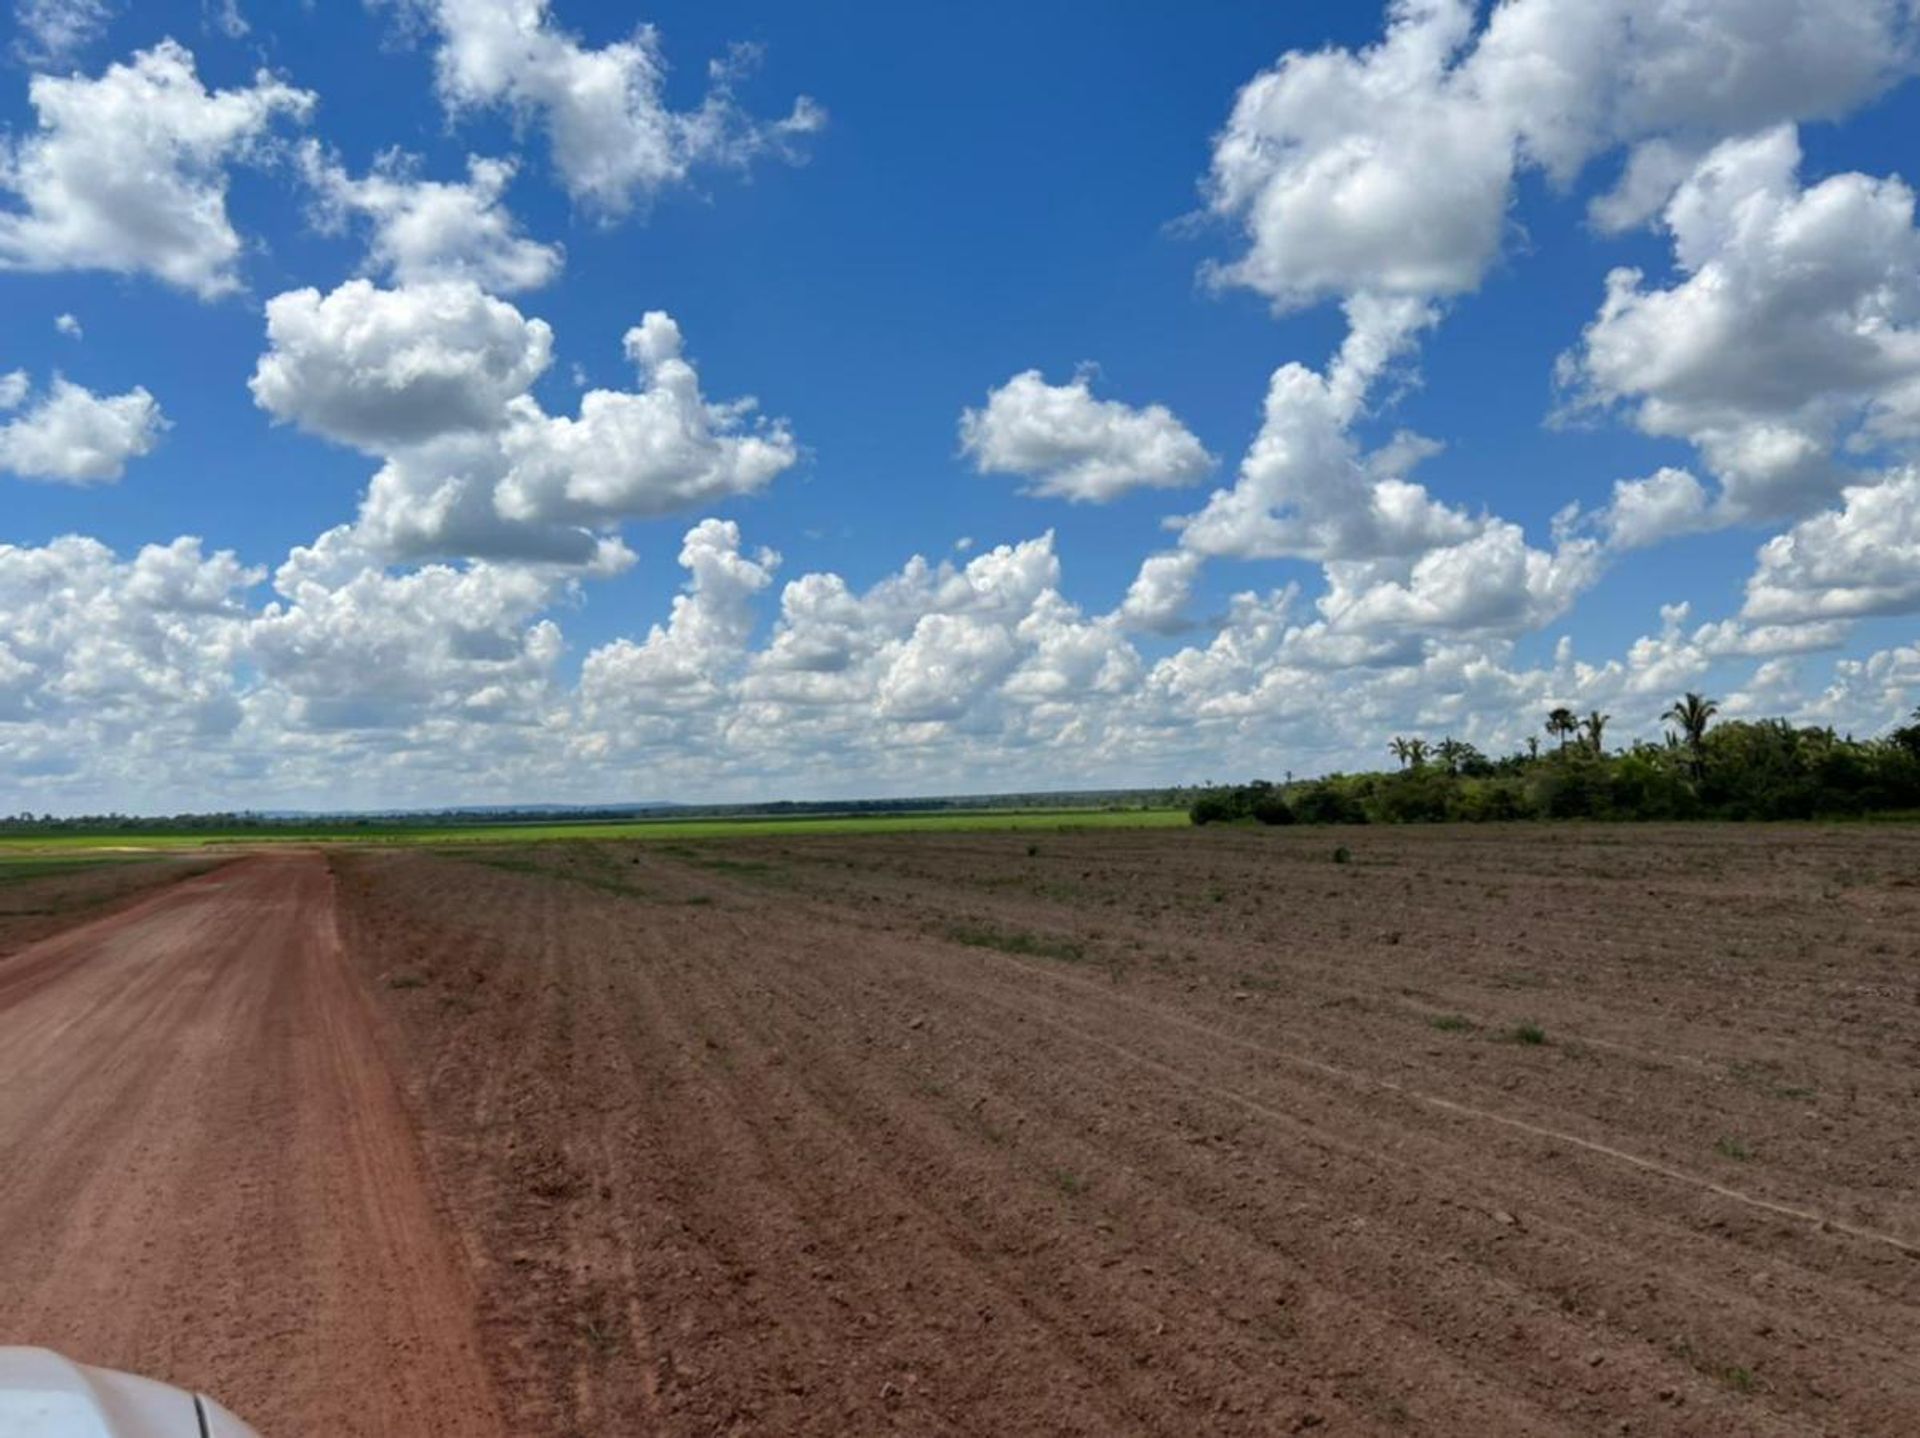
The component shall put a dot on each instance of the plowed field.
(1500, 1131)
(1507, 1130)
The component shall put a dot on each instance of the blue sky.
(967, 195)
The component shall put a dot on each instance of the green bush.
(1739, 769)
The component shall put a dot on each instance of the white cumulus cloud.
(614, 138)
(381, 368)
(1073, 446)
(427, 230)
(1858, 559)
(1794, 325)
(71, 435)
(436, 380)
(1390, 170)
(660, 448)
(127, 172)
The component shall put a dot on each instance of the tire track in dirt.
(206, 1174)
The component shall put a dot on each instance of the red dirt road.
(206, 1174)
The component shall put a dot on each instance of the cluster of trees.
(1737, 769)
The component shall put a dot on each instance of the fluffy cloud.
(1393, 555)
(1379, 172)
(1796, 319)
(407, 681)
(116, 659)
(428, 230)
(379, 369)
(1492, 581)
(1306, 489)
(350, 646)
(52, 32)
(127, 172)
(1382, 177)
(435, 379)
(1156, 601)
(1647, 511)
(686, 663)
(225, 16)
(661, 448)
(613, 136)
(1390, 170)
(74, 436)
(1073, 446)
(1862, 558)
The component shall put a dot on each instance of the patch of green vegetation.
(1733, 1148)
(601, 880)
(1452, 1023)
(648, 830)
(722, 865)
(1531, 1035)
(406, 981)
(1031, 945)
(16, 867)
(1069, 1182)
(1741, 1380)
(1765, 1076)
(1738, 768)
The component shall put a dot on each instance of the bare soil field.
(42, 897)
(1519, 1130)
(206, 1174)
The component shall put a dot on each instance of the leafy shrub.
(1740, 769)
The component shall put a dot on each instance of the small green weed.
(1035, 945)
(1730, 1147)
(1531, 1035)
(1452, 1023)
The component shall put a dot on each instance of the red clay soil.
(1517, 1131)
(39, 904)
(206, 1176)
(1501, 1131)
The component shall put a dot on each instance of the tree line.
(1734, 769)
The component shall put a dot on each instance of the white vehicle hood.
(43, 1395)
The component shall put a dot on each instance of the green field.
(14, 848)
(21, 863)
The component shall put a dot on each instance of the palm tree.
(1596, 724)
(1401, 749)
(1693, 712)
(1561, 722)
(1451, 752)
(1416, 752)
